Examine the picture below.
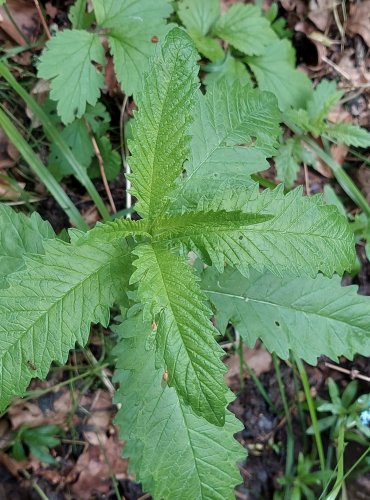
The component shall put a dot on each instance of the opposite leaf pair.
(179, 433)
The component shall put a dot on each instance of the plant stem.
(290, 435)
(55, 137)
(42, 172)
(312, 411)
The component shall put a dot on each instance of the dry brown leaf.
(25, 16)
(95, 466)
(9, 190)
(258, 359)
(50, 10)
(339, 152)
(320, 13)
(31, 414)
(359, 20)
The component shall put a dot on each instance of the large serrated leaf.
(173, 452)
(349, 134)
(19, 236)
(305, 236)
(244, 27)
(234, 130)
(311, 317)
(49, 307)
(160, 142)
(184, 338)
(68, 61)
(133, 29)
(275, 71)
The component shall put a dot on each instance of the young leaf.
(159, 428)
(198, 18)
(287, 164)
(133, 28)
(234, 130)
(349, 134)
(69, 62)
(50, 305)
(79, 17)
(324, 97)
(160, 142)
(244, 27)
(304, 235)
(311, 317)
(275, 71)
(20, 235)
(289, 156)
(184, 338)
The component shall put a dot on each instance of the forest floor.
(77, 399)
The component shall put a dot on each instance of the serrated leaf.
(198, 18)
(324, 97)
(184, 339)
(159, 428)
(133, 28)
(305, 236)
(244, 27)
(229, 69)
(311, 317)
(68, 61)
(20, 235)
(109, 232)
(351, 135)
(78, 139)
(160, 142)
(234, 130)
(275, 71)
(290, 155)
(49, 307)
(287, 166)
(79, 17)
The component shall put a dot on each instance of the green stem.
(342, 177)
(290, 435)
(312, 411)
(55, 137)
(42, 172)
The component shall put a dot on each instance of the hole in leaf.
(277, 323)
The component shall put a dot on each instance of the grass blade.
(55, 137)
(41, 171)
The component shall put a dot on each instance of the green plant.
(131, 28)
(304, 479)
(313, 119)
(345, 410)
(36, 441)
(253, 48)
(174, 417)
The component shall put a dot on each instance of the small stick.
(42, 19)
(352, 373)
(337, 68)
(307, 180)
(102, 168)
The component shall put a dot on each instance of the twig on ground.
(42, 18)
(352, 373)
(102, 169)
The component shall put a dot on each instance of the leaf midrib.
(282, 306)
